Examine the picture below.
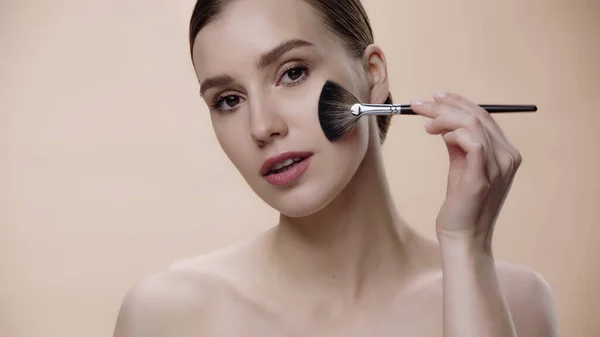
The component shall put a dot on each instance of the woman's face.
(262, 65)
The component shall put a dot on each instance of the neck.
(355, 244)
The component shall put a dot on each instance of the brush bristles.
(335, 116)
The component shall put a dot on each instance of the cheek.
(346, 154)
(233, 141)
(310, 121)
(358, 140)
(300, 108)
(353, 148)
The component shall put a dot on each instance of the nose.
(266, 123)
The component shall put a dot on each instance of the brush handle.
(404, 109)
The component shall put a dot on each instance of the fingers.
(475, 152)
(426, 109)
(512, 158)
(454, 121)
(451, 111)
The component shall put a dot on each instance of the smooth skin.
(341, 261)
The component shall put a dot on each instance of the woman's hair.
(345, 18)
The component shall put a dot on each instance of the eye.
(231, 101)
(294, 75)
(226, 102)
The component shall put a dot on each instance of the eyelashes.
(226, 97)
(295, 73)
(291, 75)
(229, 99)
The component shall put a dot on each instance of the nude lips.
(285, 168)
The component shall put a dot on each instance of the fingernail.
(428, 124)
(439, 93)
(417, 102)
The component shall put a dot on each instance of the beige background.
(110, 169)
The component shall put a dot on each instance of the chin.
(300, 204)
(300, 207)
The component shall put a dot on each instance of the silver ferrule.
(376, 109)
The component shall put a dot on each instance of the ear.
(376, 66)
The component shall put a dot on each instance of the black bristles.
(335, 115)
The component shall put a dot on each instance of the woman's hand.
(483, 164)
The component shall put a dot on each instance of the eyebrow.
(215, 82)
(265, 60)
(269, 57)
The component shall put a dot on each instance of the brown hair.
(346, 18)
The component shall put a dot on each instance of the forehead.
(247, 28)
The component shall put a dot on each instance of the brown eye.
(294, 74)
(231, 101)
(226, 103)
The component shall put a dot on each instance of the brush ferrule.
(377, 109)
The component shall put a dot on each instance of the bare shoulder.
(530, 299)
(160, 303)
(187, 299)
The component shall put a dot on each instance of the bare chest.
(412, 316)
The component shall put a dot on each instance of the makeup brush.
(339, 110)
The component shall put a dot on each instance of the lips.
(277, 163)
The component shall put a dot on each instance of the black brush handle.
(491, 108)
(499, 108)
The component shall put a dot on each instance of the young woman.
(341, 261)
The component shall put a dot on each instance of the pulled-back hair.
(345, 18)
